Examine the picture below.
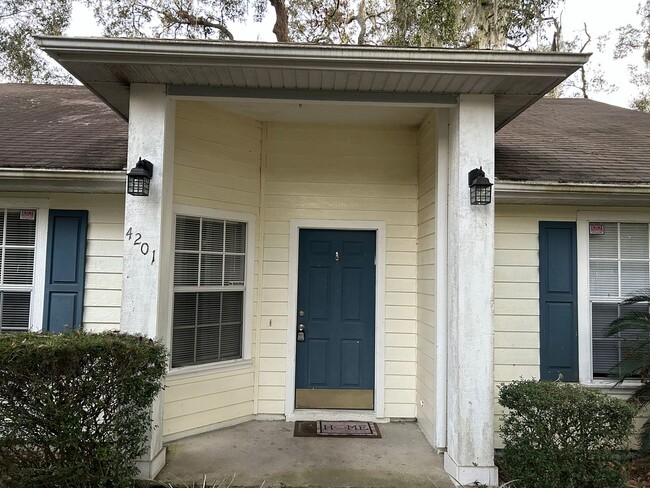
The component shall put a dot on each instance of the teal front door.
(335, 340)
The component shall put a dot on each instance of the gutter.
(62, 180)
(572, 193)
(398, 59)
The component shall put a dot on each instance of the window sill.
(207, 369)
(626, 387)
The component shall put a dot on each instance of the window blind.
(209, 286)
(17, 242)
(619, 266)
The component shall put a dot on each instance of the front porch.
(265, 453)
(254, 146)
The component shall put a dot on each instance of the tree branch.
(588, 39)
(185, 18)
(281, 27)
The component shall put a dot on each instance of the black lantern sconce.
(480, 188)
(139, 178)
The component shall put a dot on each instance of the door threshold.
(337, 414)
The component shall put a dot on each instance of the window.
(619, 266)
(209, 290)
(17, 243)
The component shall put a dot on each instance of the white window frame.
(41, 205)
(249, 292)
(585, 363)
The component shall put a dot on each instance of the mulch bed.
(639, 473)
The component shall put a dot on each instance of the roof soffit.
(108, 66)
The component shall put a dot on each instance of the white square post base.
(466, 475)
(148, 470)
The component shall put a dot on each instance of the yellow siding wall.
(217, 165)
(103, 287)
(426, 327)
(341, 173)
(281, 172)
(103, 280)
(516, 291)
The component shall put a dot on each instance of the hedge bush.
(563, 436)
(75, 408)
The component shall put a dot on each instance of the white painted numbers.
(136, 237)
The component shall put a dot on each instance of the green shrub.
(636, 362)
(563, 436)
(75, 408)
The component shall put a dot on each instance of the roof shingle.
(575, 140)
(59, 127)
(555, 140)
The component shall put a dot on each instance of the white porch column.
(470, 445)
(147, 245)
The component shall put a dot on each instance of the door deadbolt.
(301, 333)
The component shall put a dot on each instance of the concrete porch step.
(265, 453)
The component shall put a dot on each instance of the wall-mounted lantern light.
(480, 188)
(139, 177)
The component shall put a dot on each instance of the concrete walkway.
(265, 453)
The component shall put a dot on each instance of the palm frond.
(642, 296)
(633, 320)
(642, 395)
(644, 436)
(630, 366)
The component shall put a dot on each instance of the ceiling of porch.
(307, 112)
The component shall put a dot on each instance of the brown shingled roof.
(59, 127)
(575, 140)
(555, 140)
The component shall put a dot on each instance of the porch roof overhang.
(407, 76)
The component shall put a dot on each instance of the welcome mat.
(325, 428)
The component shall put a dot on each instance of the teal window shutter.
(65, 269)
(558, 305)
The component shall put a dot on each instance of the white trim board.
(62, 181)
(380, 307)
(442, 192)
(547, 193)
(40, 256)
(247, 331)
(37, 301)
(585, 363)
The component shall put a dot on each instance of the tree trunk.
(281, 27)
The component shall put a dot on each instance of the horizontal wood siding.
(103, 280)
(216, 166)
(426, 323)
(342, 173)
(516, 292)
(103, 286)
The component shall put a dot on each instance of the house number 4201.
(136, 237)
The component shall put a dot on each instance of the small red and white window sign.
(28, 215)
(596, 229)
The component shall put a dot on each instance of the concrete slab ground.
(265, 453)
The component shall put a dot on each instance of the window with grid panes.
(18, 239)
(619, 266)
(209, 287)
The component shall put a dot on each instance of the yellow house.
(310, 245)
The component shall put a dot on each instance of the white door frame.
(380, 320)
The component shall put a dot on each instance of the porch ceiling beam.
(392, 98)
